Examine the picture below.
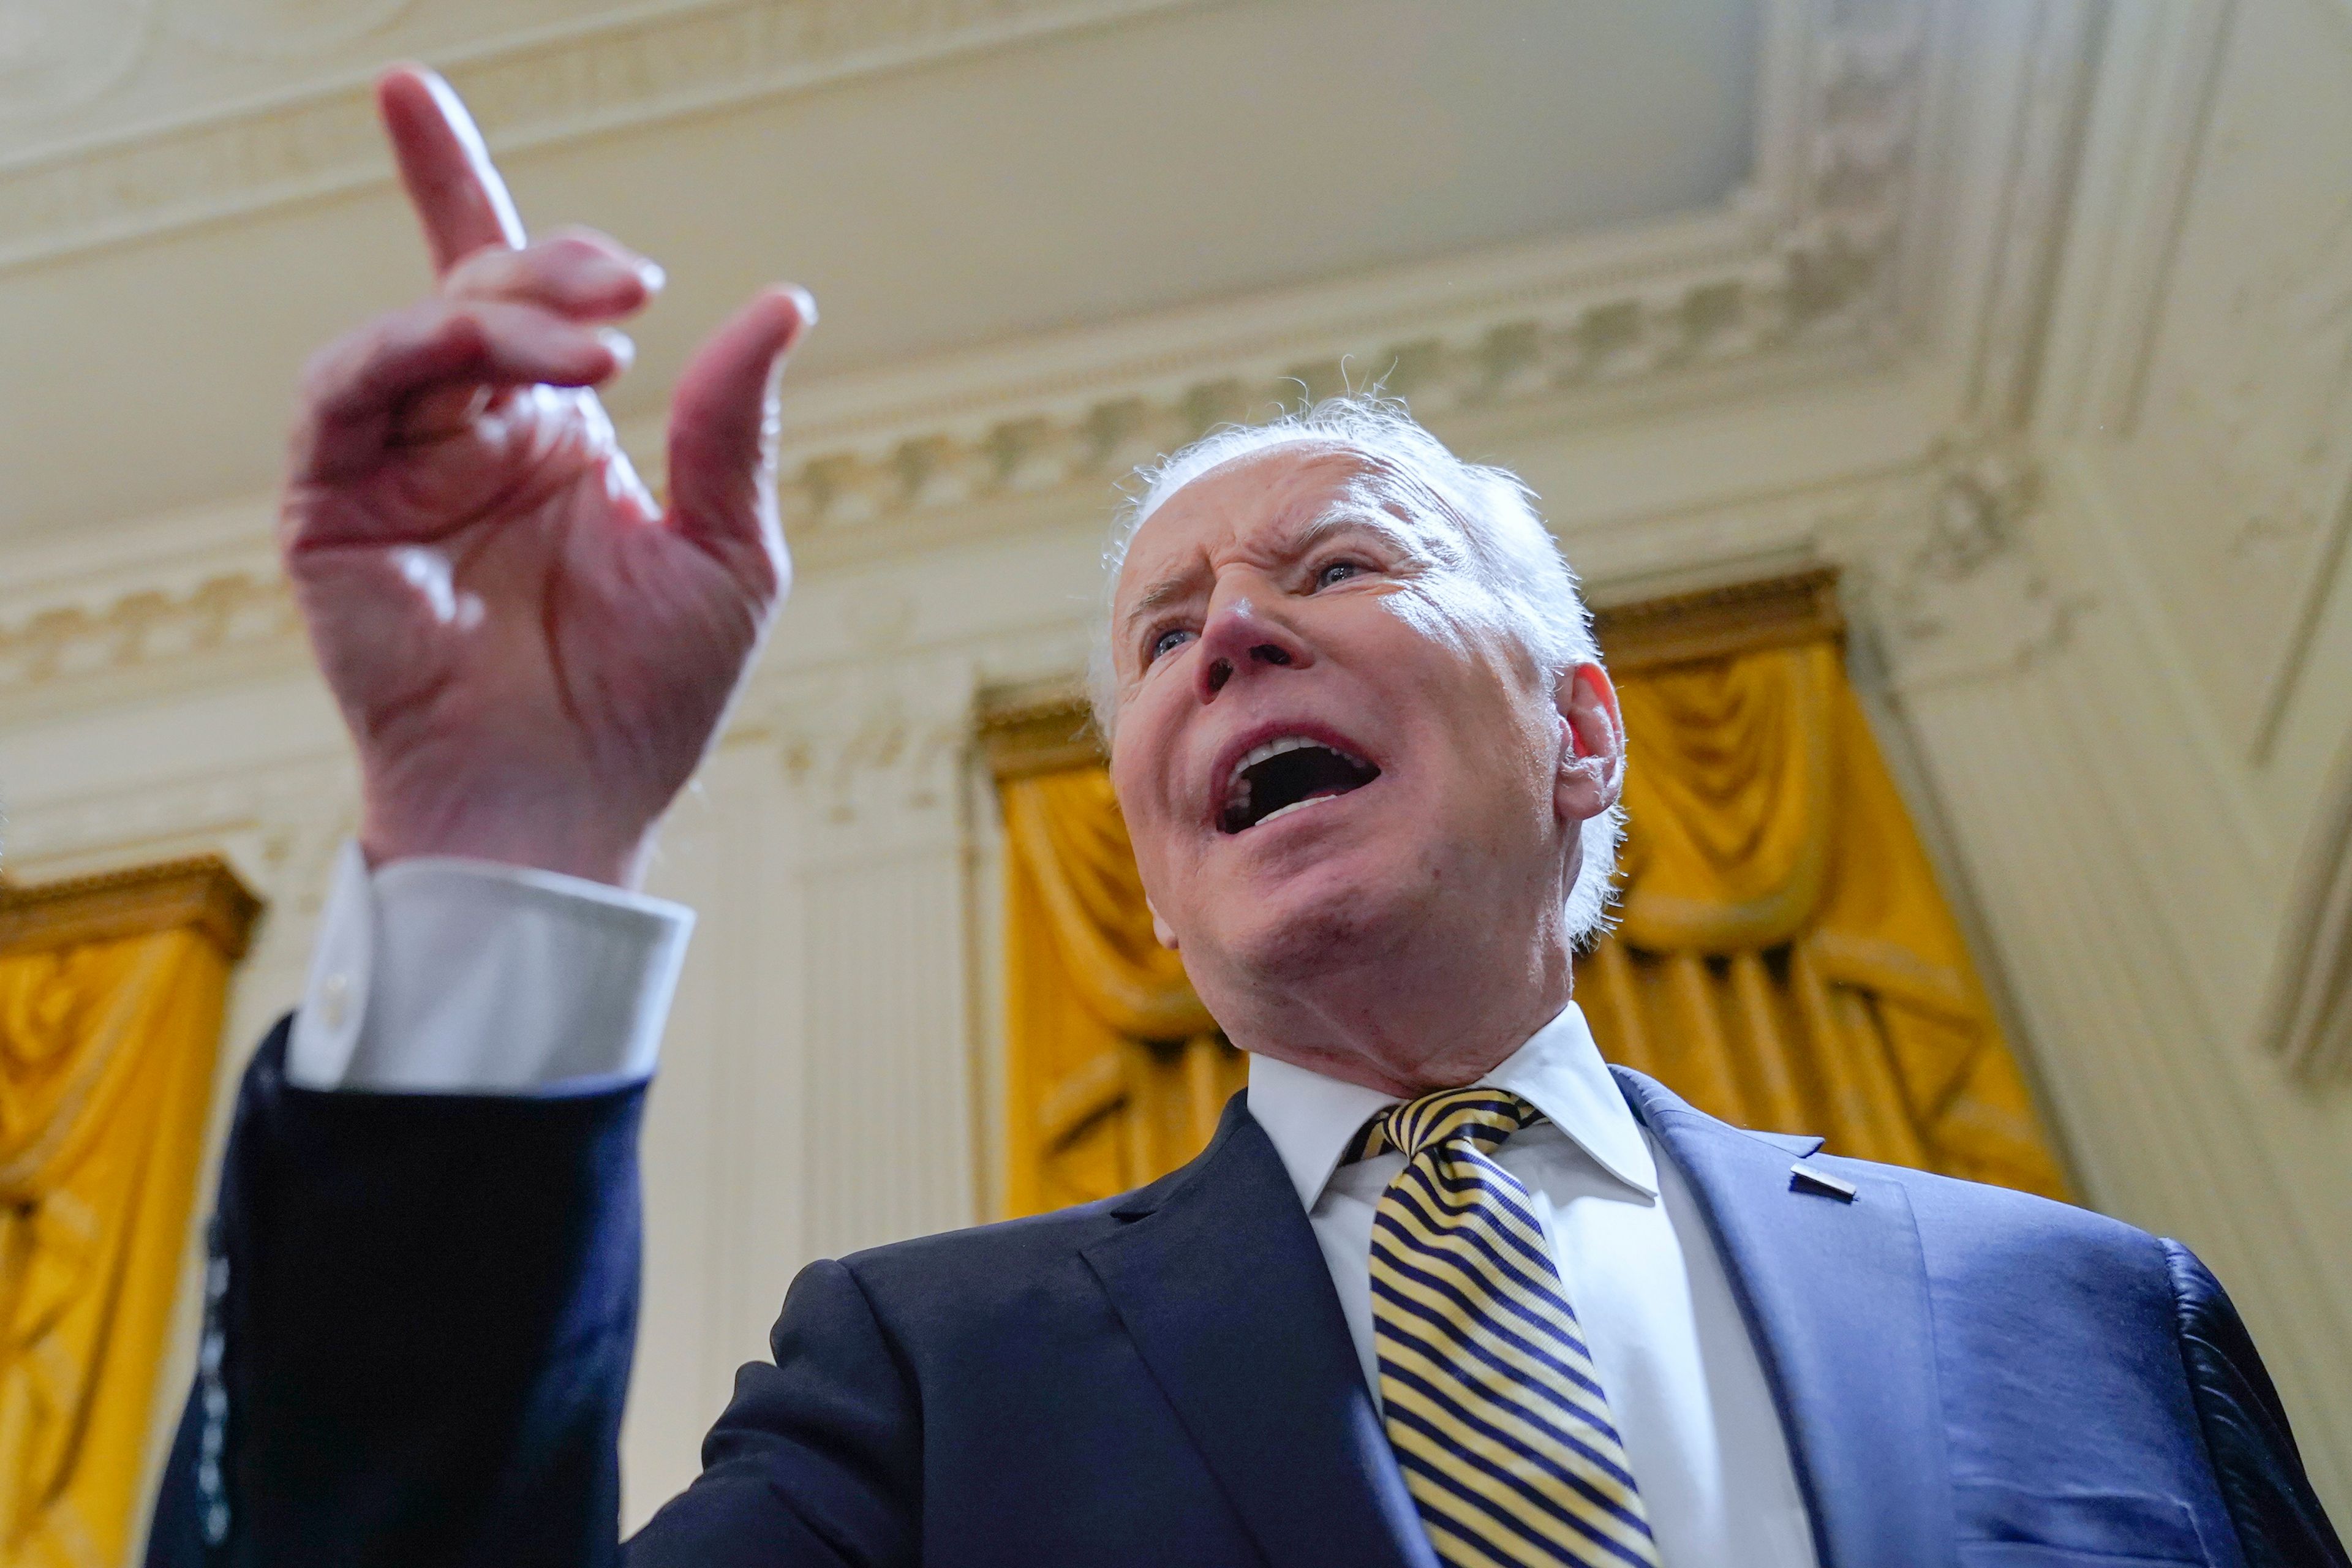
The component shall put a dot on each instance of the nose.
(1239, 639)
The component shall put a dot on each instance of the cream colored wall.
(2194, 424)
(2036, 316)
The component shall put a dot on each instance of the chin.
(1318, 919)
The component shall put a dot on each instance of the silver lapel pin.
(1813, 1179)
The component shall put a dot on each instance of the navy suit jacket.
(424, 1310)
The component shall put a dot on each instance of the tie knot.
(1481, 1118)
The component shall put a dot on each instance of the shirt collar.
(1311, 1118)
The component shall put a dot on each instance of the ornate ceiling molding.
(1796, 278)
(1797, 273)
(145, 641)
(644, 63)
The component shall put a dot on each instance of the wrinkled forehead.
(1274, 489)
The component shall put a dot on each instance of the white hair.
(1505, 539)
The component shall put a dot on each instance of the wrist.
(546, 840)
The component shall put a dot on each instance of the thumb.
(722, 436)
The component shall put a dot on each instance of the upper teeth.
(1257, 754)
(1237, 789)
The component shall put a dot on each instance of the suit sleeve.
(817, 1459)
(420, 1311)
(2279, 1519)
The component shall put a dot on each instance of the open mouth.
(1286, 775)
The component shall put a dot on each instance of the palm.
(530, 656)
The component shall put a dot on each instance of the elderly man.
(1441, 1291)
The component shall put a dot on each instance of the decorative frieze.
(1580, 345)
(146, 633)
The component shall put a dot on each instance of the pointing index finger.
(455, 189)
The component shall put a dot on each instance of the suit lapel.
(1835, 1295)
(1219, 1282)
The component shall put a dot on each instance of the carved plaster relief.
(1802, 261)
(146, 639)
(875, 752)
(1587, 345)
(1950, 624)
(1966, 596)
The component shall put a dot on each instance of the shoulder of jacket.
(999, 1248)
(1954, 1213)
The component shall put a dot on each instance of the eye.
(1338, 572)
(1166, 641)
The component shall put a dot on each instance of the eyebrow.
(1165, 591)
(1341, 519)
(1344, 518)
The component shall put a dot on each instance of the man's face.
(1327, 745)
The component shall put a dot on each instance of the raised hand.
(532, 656)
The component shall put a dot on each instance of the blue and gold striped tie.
(1492, 1402)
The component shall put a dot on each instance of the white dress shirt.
(441, 975)
(1702, 1436)
(462, 976)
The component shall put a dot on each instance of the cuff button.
(334, 1000)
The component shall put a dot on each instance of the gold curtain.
(1120, 1073)
(112, 991)
(1784, 959)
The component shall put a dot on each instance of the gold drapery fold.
(1120, 1073)
(108, 1047)
(1784, 958)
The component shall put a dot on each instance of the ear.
(1592, 775)
(1159, 928)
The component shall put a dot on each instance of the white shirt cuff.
(468, 977)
